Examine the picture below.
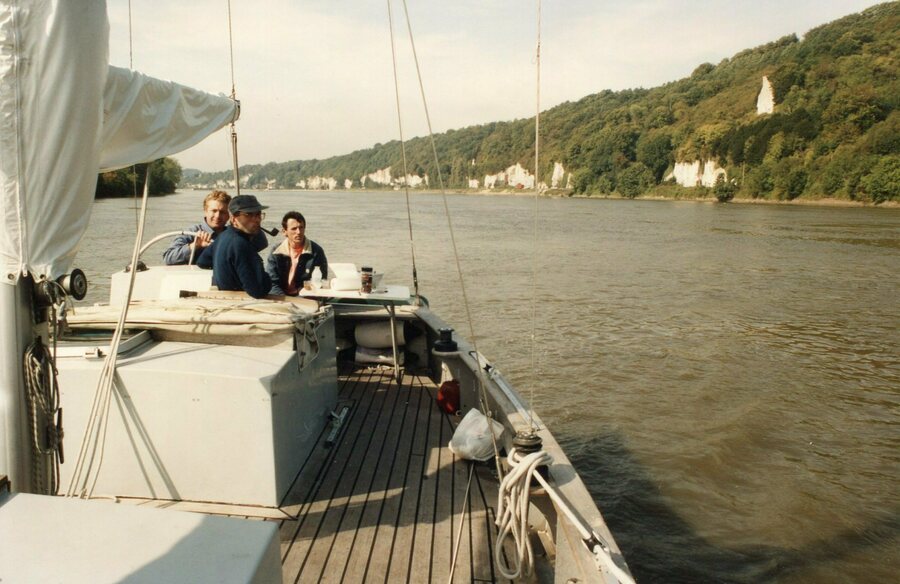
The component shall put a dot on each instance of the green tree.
(634, 180)
(883, 183)
(724, 189)
(165, 174)
(655, 152)
(759, 182)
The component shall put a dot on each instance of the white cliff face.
(559, 173)
(348, 184)
(493, 180)
(383, 178)
(711, 173)
(473, 183)
(379, 177)
(519, 177)
(412, 180)
(512, 176)
(688, 174)
(516, 175)
(321, 183)
(765, 102)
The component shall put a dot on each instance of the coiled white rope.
(512, 519)
(512, 513)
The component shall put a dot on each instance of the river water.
(726, 378)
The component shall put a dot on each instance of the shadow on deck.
(384, 502)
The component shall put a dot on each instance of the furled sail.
(64, 115)
(145, 118)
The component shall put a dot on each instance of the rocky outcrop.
(318, 183)
(413, 181)
(521, 178)
(689, 174)
(384, 178)
(559, 173)
(514, 176)
(765, 102)
(379, 177)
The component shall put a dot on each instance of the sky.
(315, 78)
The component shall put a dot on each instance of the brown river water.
(725, 378)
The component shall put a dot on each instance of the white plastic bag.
(472, 439)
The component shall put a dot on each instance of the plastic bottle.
(316, 279)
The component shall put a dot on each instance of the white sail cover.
(64, 116)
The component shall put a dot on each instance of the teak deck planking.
(384, 502)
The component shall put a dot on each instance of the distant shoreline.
(562, 194)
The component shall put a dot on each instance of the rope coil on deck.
(512, 512)
(512, 519)
(42, 394)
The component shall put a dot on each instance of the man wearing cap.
(235, 259)
(215, 218)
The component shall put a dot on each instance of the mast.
(16, 331)
(68, 111)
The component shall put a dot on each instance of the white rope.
(512, 513)
(512, 519)
(90, 455)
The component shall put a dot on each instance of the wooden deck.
(384, 502)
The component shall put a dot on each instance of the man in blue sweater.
(215, 219)
(236, 262)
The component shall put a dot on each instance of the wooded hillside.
(835, 130)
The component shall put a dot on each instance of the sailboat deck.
(384, 502)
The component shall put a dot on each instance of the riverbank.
(567, 194)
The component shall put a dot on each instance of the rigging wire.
(483, 397)
(133, 166)
(534, 246)
(466, 509)
(412, 247)
(234, 139)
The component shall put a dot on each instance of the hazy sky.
(314, 77)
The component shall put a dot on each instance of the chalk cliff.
(765, 102)
(689, 174)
